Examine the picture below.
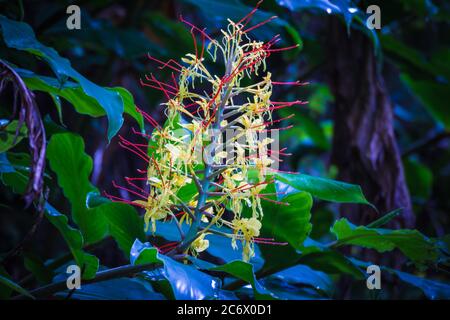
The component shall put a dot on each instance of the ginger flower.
(246, 230)
(207, 164)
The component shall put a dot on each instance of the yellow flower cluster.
(202, 109)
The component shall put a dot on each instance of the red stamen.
(260, 24)
(115, 185)
(250, 14)
(197, 29)
(274, 201)
(134, 151)
(283, 49)
(166, 64)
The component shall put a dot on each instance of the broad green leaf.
(419, 178)
(8, 138)
(187, 282)
(321, 221)
(125, 225)
(14, 170)
(95, 215)
(73, 93)
(20, 36)
(290, 223)
(411, 243)
(331, 262)
(244, 271)
(324, 189)
(302, 276)
(73, 167)
(36, 266)
(14, 286)
(129, 106)
(74, 241)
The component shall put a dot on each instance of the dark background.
(378, 101)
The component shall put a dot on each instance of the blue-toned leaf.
(20, 36)
(187, 282)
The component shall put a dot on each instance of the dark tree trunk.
(364, 146)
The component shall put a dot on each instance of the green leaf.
(73, 167)
(129, 106)
(244, 271)
(290, 223)
(411, 243)
(295, 278)
(14, 286)
(74, 241)
(36, 266)
(324, 189)
(419, 178)
(14, 170)
(20, 36)
(187, 283)
(8, 138)
(73, 237)
(331, 262)
(385, 219)
(125, 225)
(73, 93)
(96, 216)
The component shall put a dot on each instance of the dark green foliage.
(96, 71)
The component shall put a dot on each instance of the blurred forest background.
(378, 112)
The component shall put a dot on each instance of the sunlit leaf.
(324, 189)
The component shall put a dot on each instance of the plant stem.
(192, 233)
